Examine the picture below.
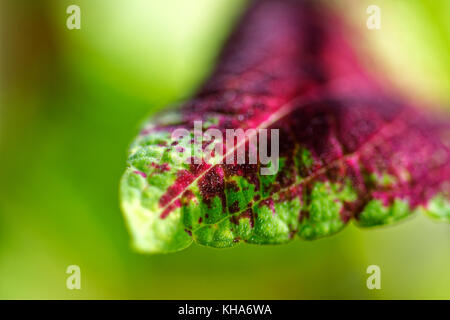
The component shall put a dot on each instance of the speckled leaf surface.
(347, 151)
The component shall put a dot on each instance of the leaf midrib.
(280, 113)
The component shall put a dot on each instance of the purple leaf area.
(347, 150)
(364, 139)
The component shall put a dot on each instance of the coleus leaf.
(346, 149)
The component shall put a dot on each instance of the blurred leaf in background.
(71, 101)
(412, 47)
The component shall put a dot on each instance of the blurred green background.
(71, 102)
